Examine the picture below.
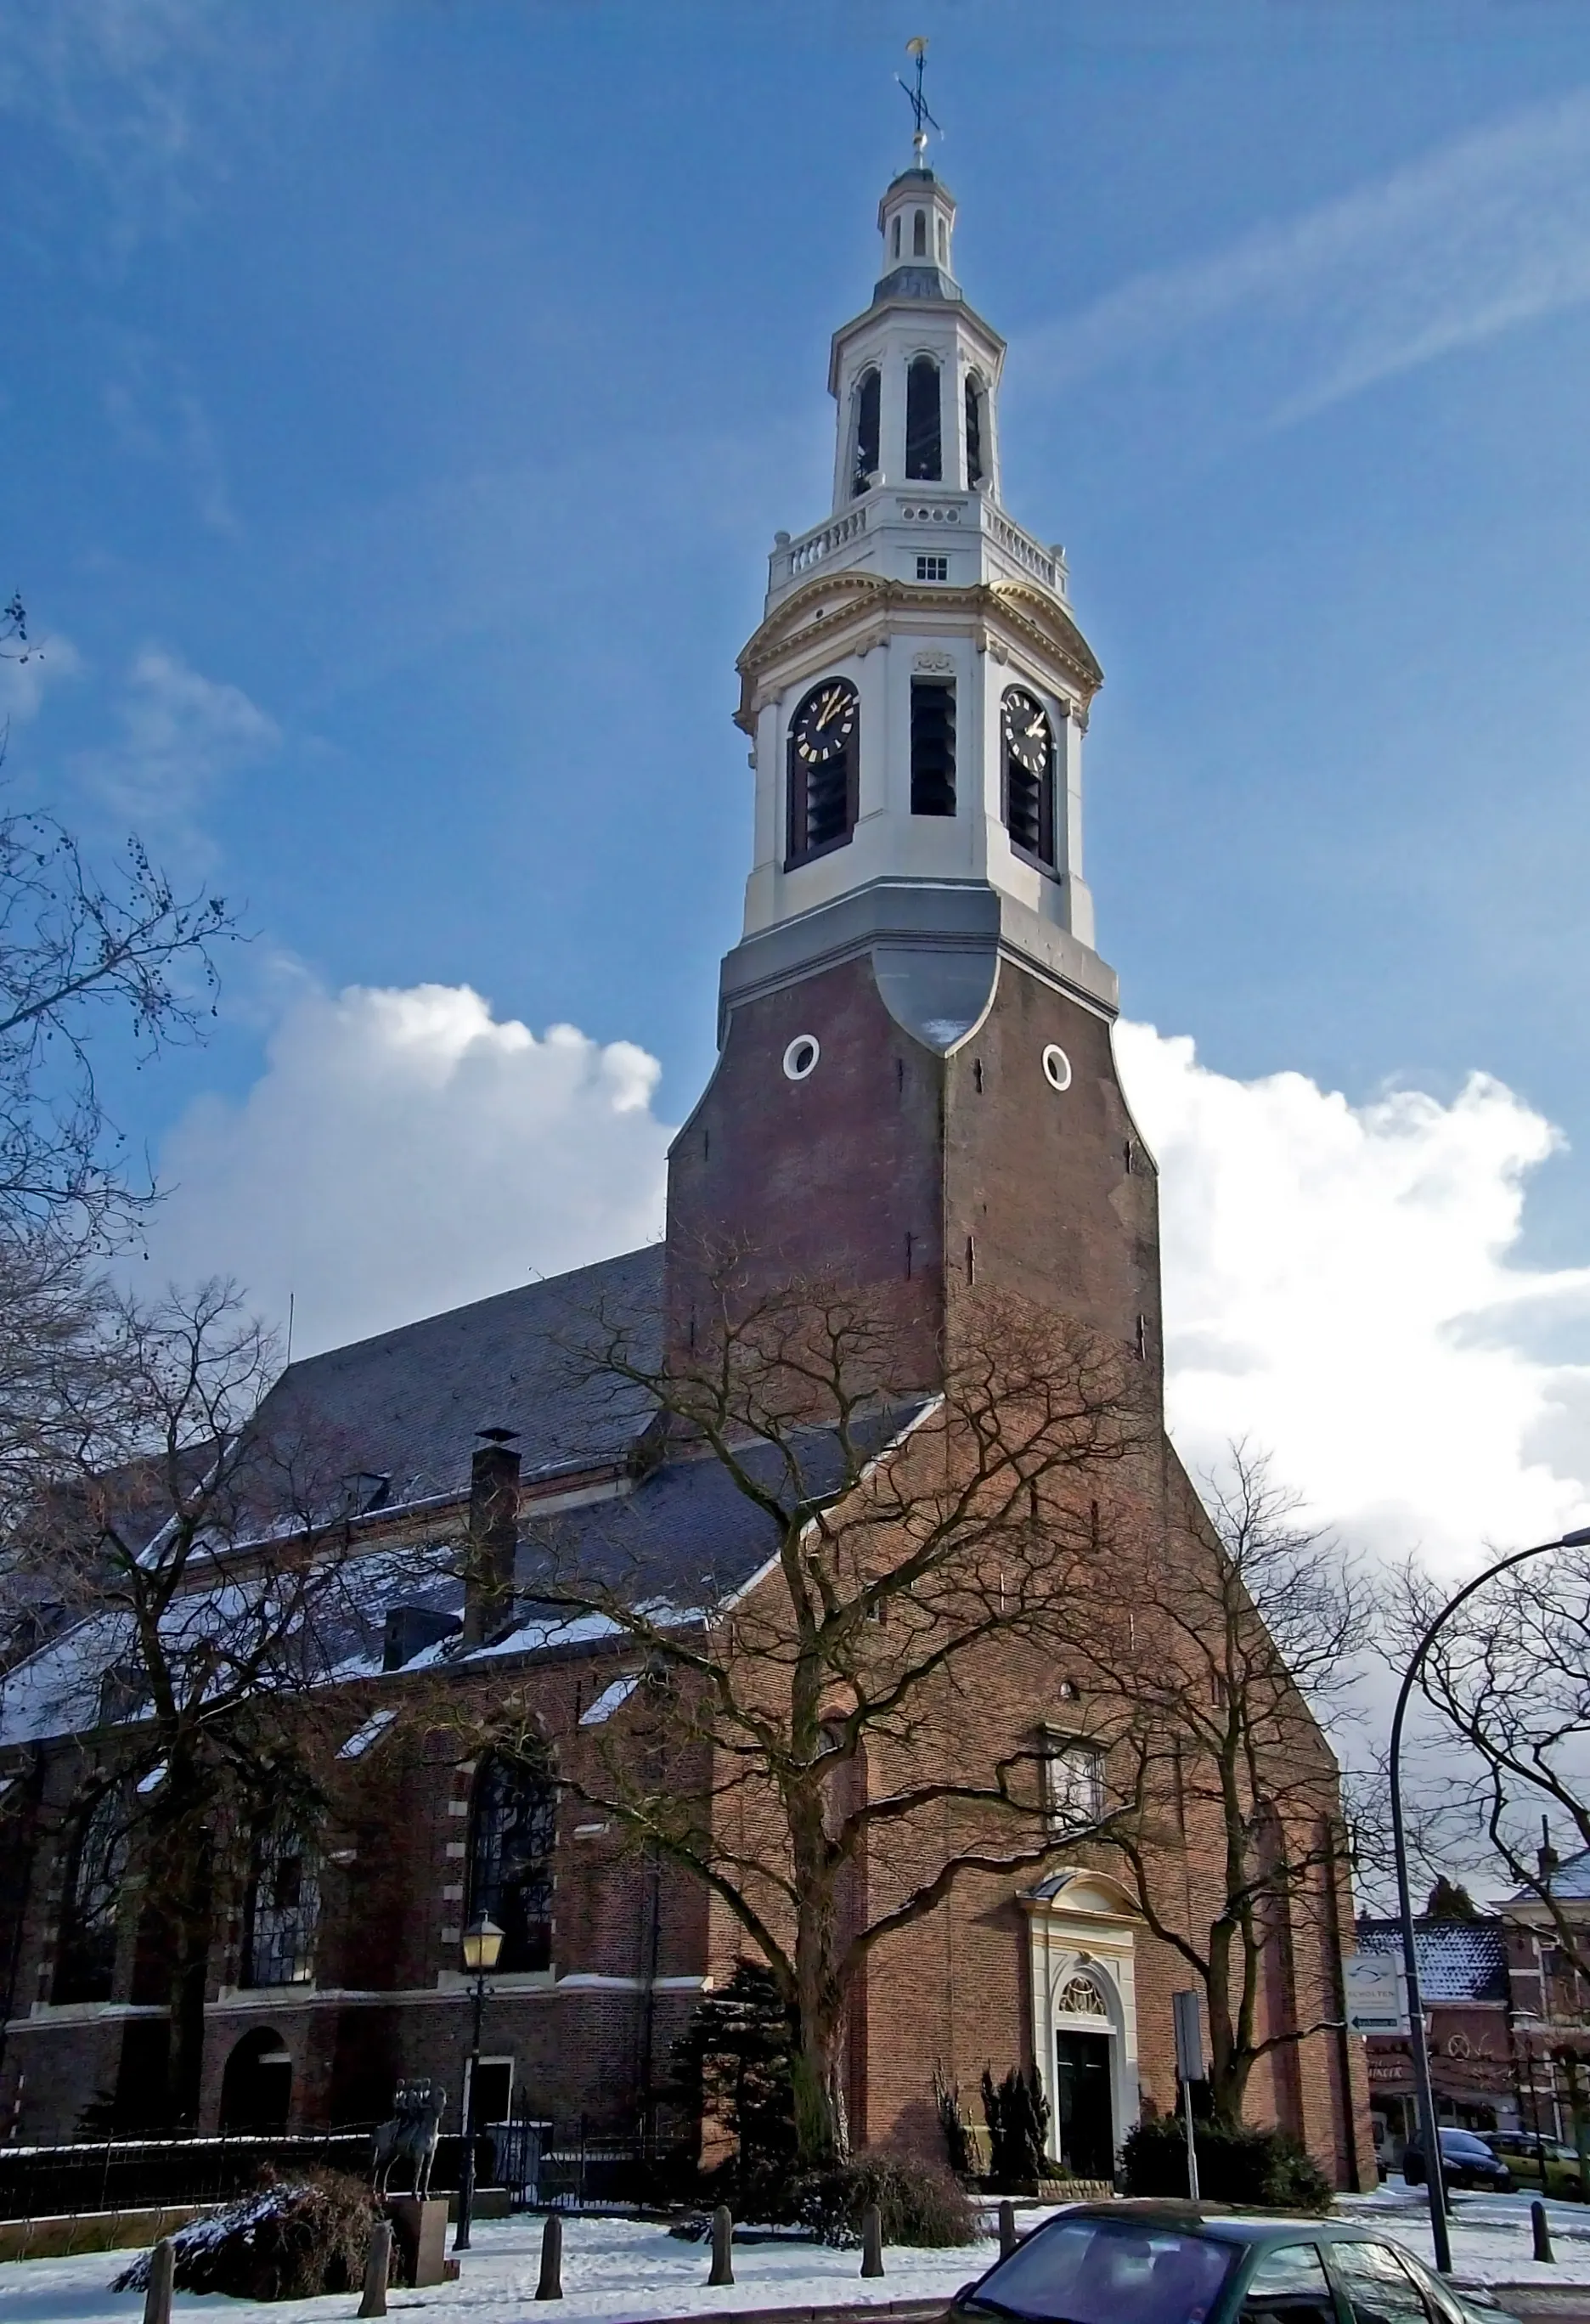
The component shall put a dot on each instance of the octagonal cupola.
(916, 376)
(918, 689)
(917, 218)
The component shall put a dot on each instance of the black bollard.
(378, 2266)
(1008, 2236)
(551, 2284)
(872, 2240)
(1542, 2232)
(722, 2246)
(162, 2276)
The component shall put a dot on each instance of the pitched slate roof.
(1458, 1961)
(687, 1533)
(407, 1405)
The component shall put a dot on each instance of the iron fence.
(541, 2165)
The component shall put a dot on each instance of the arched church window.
(974, 431)
(823, 769)
(924, 453)
(868, 396)
(513, 1836)
(84, 1967)
(283, 1912)
(944, 243)
(895, 251)
(1027, 744)
(919, 236)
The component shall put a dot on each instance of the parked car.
(1523, 2155)
(1164, 2262)
(1465, 2161)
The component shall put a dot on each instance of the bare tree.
(87, 960)
(1221, 1661)
(1509, 1676)
(873, 1697)
(203, 1543)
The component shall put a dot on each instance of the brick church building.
(916, 1092)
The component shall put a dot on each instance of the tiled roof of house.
(1458, 1961)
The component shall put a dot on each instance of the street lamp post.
(1429, 2128)
(482, 1943)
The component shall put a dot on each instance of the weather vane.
(918, 102)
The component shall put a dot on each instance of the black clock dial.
(1026, 732)
(825, 723)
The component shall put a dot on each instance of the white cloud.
(153, 99)
(28, 669)
(1341, 1282)
(1341, 1286)
(1473, 239)
(405, 1152)
(181, 734)
(156, 414)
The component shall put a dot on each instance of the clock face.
(1026, 732)
(825, 723)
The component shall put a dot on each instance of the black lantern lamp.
(483, 1948)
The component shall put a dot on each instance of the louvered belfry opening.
(932, 746)
(868, 397)
(924, 462)
(824, 793)
(1029, 798)
(974, 436)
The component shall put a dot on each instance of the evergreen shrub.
(1266, 2169)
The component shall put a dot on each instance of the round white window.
(1057, 1067)
(800, 1058)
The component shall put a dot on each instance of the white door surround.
(1082, 1928)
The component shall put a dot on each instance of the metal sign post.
(1190, 2068)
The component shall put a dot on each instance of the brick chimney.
(1546, 1856)
(493, 1537)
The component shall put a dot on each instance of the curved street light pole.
(1429, 2132)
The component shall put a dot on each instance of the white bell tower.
(918, 690)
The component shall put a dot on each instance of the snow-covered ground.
(628, 2270)
(612, 2269)
(1491, 2238)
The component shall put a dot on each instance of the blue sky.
(398, 400)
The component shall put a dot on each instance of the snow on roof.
(1458, 1961)
(364, 1739)
(1569, 1884)
(612, 1697)
(684, 1540)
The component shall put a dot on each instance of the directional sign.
(1376, 1994)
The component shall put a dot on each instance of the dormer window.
(866, 463)
(1027, 742)
(919, 236)
(924, 446)
(974, 432)
(823, 772)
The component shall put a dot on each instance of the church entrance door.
(1084, 2118)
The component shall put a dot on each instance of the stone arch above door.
(1082, 1946)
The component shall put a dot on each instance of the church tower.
(916, 1085)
